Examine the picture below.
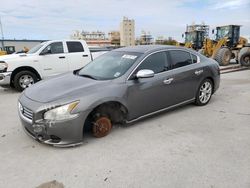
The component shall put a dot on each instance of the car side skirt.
(161, 110)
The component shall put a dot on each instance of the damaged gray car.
(119, 87)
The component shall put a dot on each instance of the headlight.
(62, 112)
(3, 66)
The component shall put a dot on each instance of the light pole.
(1, 27)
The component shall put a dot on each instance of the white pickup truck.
(44, 60)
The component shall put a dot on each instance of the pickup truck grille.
(26, 112)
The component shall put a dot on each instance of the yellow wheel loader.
(3, 52)
(193, 39)
(8, 50)
(227, 45)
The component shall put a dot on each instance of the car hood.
(14, 56)
(63, 86)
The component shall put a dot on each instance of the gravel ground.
(206, 147)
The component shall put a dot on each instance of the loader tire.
(244, 56)
(223, 56)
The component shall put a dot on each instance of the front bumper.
(5, 78)
(58, 133)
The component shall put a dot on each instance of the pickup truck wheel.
(101, 126)
(24, 79)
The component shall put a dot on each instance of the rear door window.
(180, 58)
(75, 47)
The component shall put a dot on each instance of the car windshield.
(110, 65)
(36, 48)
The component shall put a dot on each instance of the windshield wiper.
(88, 76)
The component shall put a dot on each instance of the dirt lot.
(206, 147)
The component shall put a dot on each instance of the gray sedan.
(119, 87)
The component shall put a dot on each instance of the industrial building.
(127, 32)
(114, 37)
(13, 45)
(94, 38)
(145, 39)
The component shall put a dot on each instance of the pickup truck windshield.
(110, 65)
(36, 48)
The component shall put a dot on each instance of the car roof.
(147, 48)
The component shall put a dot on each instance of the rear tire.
(204, 92)
(244, 56)
(24, 79)
(223, 56)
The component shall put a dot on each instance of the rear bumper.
(5, 78)
(216, 83)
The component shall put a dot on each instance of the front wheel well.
(115, 110)
(24, 68)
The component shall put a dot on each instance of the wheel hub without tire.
(101, 127)
(205, 92)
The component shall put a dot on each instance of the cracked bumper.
(59, 133)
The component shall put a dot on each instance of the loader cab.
(196, 38)
(232, 32)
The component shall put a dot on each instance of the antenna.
(1, 27)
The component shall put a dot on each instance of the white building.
(127, 32)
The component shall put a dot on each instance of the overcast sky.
(57, 19)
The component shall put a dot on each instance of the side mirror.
(213, 31)
(145, 73)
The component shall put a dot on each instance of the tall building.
(127, 32)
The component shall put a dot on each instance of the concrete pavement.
(191, 146)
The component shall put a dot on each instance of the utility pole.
(1, 27)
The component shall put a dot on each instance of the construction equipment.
(227, 45)
(3, 52)
(7, 50)
(195, 35)
(194, 39)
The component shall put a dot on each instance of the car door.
(77, 57)
(52, 60)
(185, 76)
(146, 95)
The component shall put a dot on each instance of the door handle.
(85, 55)
(61, 57)
(198, 72)
(168, 81)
